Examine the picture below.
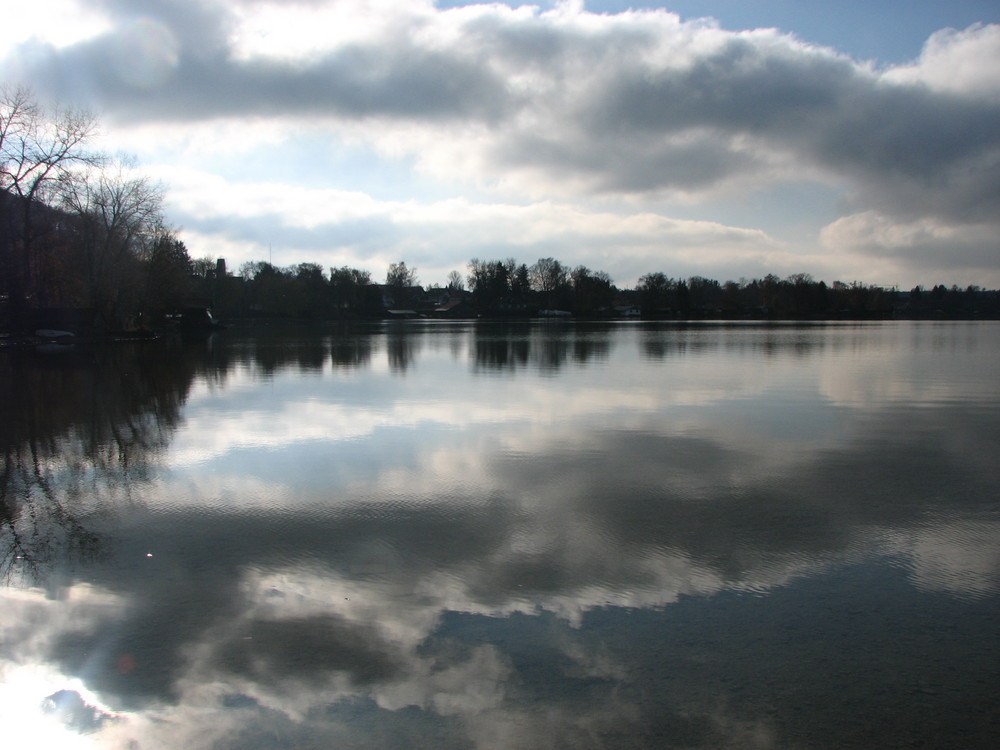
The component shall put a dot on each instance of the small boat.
(198, 319)
(53, 333)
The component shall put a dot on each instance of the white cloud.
(967, 253)
(566, 107)
(956, 557)
(957, 61)
(57, 22)
(336, 227)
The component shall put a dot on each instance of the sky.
(852, 141)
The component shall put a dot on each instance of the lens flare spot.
(146, 53)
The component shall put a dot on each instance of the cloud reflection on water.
(450, 573)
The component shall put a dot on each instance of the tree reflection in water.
(80, 429)
(451, 535)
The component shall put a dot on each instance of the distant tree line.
(799, 296)
(82, 232)
(510, 289)
(492, 288)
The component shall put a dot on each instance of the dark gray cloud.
(201, 78)
(907, 148)
(604, 107)
(351, 83)
(613, 161)
(200, 27)
(639, 104)
(307, 650)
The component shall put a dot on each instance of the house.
(455, 307)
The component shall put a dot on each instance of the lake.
(527, 535)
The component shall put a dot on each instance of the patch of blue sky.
(788, 211)
(317, 161)
(886, 32)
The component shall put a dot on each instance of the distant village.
(201, 294)
(550, 289)
(80, 281)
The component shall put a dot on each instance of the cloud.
(204, 76)
(957, 61)
(560, 105)
(937, 246)
(637, 101)
(337, 227)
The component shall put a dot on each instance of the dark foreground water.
(481, 536)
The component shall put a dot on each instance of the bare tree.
(204, 266)
(548, 275)
(120, 222)
(38, 152)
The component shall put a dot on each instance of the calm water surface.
(461, 535)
